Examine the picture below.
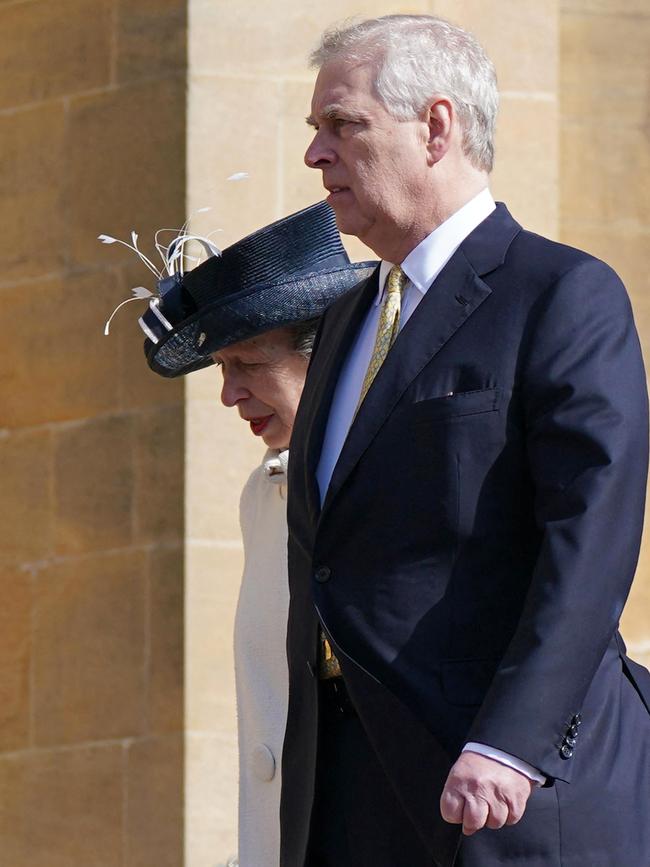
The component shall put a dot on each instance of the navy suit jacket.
(482, 526)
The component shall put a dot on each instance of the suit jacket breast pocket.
(456, 404)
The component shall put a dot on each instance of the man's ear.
(440, 118)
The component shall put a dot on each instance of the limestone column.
(92, 135)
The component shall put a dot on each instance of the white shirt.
(421, 266)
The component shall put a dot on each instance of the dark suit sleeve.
(585, 405)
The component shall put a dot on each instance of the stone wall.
(92, 136)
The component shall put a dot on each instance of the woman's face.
(263, 377)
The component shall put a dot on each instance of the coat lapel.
(450, 301)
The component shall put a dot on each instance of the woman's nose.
(232, 391)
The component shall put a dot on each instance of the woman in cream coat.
(253, 311)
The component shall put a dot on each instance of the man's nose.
(319, 154)
(231, 391)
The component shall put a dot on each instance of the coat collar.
(453, 297)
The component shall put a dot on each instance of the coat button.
(573, 731)
(323, 574)
(263, 763)
(577, 719)
(565, 751)
(569, 741)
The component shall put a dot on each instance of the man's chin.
(350, 224)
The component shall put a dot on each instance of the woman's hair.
(303, 334)
(416, 58)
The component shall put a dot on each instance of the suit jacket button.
(323, 574)
(577, 719)
(569, 741)
(565, 751)
(263, 762)
(573, 731)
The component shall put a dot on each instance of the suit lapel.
(447, 305)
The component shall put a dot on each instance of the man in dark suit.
(467, 484)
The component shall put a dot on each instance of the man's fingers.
(499, 815)
(517, 809)
(451, 806)
(475, 815)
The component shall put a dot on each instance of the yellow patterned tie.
(387, 328)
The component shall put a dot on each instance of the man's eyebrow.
(333, 110)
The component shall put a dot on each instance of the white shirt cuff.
(508, 760)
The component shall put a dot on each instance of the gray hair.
(303, 334)
(418, 57)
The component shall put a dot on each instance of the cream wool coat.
(261, 672)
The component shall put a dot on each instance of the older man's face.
(373, 165)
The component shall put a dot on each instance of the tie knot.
(397, 280)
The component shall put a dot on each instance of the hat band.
(153, 323)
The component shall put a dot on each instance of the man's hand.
(482, 793)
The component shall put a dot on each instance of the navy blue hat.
(285, 273)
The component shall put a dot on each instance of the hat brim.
(190, 345)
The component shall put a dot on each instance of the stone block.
(525, 174)
(222, 141)
(520, 38)
(210, 798)
(15, 653)
(212, 580)
(166, 607)
(62, 808)
(610, 8)
(89, 676)
(26, 502)
(605, 175)
(159, 474)
(32, 165)
(220, 454)
(94, 485)
(599, 82)
(276, 43)
(151, 38)
(53, 49)
(126, 167)
(58, 366)
(154, 813)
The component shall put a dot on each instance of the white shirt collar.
(426, 261)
